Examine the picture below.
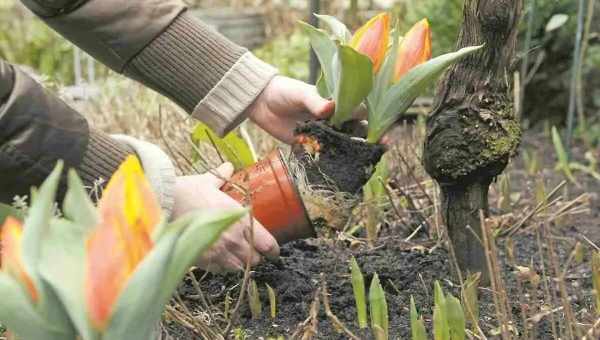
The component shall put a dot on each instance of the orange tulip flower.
(10, 255)
(372, 39)
(129, 213)
(415, 49)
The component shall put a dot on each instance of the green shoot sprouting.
(448, 316)
(379, 310)
(272, 301)
(417, 325)
(358, 286)
(470, 300)
(596, 278)
(254, 300)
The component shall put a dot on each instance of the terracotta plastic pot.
(274, 197)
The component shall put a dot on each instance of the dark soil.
(405, 269)
(343, 163)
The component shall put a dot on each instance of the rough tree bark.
(472, 131)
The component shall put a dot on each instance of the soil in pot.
(333, 159)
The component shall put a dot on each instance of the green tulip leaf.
(322, 87)
(402, 94)
(325, 50)
(456, 318)
(378, 308)
(77, 205)
(337, 28)
(354, 72)
(233, 147)
(63, 268)
(21, 317)
(417, 325)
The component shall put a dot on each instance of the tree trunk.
(472, 131)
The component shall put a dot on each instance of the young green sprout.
(358, 287)
(374, 195)
(563, 158)
(417, 325)
(379, 310)
(596, 279)
(254, 300)
(448, 316)
(470, 299)
(272, 301)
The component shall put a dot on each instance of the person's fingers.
(264, 242)
(316, 105)
(219, 176)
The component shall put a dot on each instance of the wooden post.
(472, 131)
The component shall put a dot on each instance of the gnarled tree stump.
(472, 131)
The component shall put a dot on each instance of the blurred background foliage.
(27, 41)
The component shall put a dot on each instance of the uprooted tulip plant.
(375, 68)
(104, 273)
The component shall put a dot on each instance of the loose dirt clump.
(335, 160)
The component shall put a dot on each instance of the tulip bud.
(372, 39)
(128, 214)
(415, 49)
(10, 255)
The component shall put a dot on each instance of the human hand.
(284, 103)
(233, 250)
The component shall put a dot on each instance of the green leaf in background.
(377, 182)
(233, 147)
(417, 326)
(379, 309)
(338, 28)
(358, 287)
(563, 157)
(402, 94)
(325, 50)
(354, 72)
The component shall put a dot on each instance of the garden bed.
(405, 269)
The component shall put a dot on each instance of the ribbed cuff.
(102, 158)
(158, 168)
(223, 108)
(185, 62)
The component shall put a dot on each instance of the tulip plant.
(376, 66)
(104, 273)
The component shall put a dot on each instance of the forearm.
(37, 129)
(165, 48)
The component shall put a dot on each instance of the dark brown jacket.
(155, 42)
